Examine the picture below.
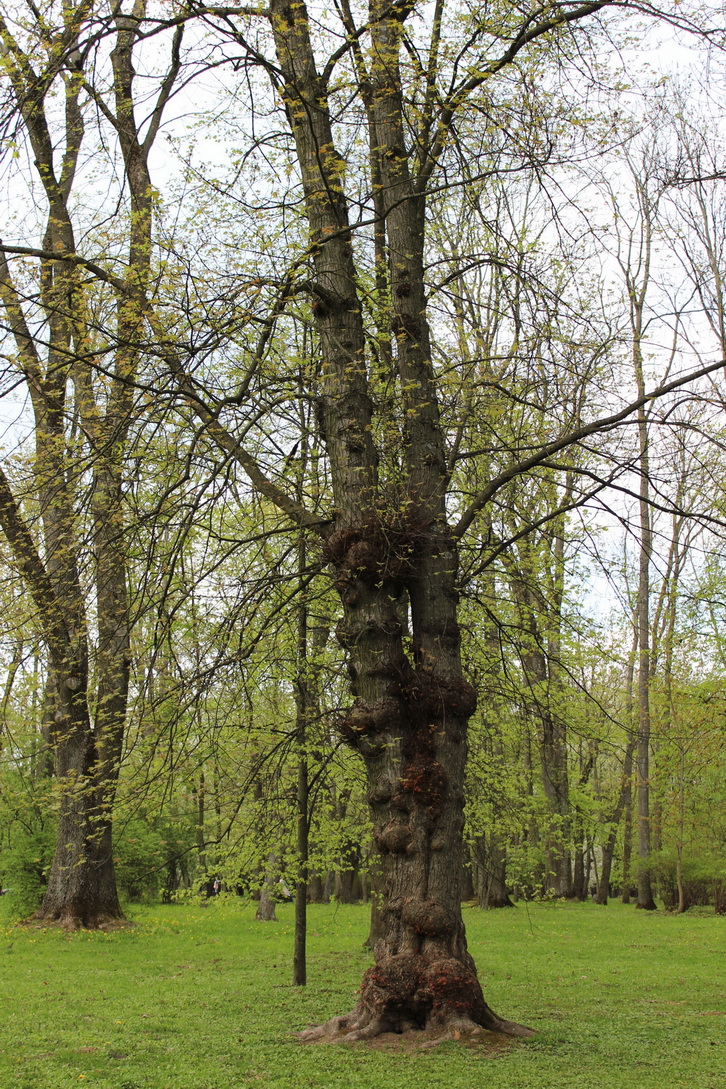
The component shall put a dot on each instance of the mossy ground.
(197, 997)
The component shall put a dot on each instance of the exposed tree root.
(440, 1026)
(509, 1028)
(69, 920)
(437, 994)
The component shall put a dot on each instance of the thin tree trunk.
(608, 849)
(627, 784)
(302, 701)
(637, 278)
(645, 893)
(682, 898)
(200, 830)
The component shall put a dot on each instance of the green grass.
(200, 998)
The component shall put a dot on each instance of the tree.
(392, 534)
(80, 372)
(636, 268)
(362, 150)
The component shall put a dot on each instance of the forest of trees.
(362, 465)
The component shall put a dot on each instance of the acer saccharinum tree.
(403, 107)
(76, 343)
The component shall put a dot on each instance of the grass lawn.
(200, 998)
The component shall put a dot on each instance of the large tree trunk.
(409, 724)
(317, 891)
(82, 881)
(390, 554)
(348, 888)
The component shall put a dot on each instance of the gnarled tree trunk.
(393, 554)
(409, 724)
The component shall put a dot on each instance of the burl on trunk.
(409, 723)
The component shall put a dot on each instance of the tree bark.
(490, 862)
(411, 709)
(266, 906)
(645, 893)
(302, 798)
(608, 848)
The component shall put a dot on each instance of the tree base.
(71, 920)
(357, 1026)
(403, 993)
(494, 903)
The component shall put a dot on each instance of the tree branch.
(605, 423)
(33, 571)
